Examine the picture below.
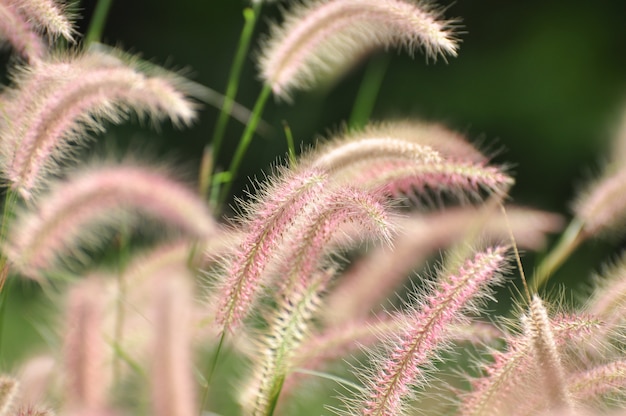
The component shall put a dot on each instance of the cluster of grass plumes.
(307, 301)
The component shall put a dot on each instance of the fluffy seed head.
(46, 15)
(602, 208)
(403, 366)
(57, 102)
(70, 213)
(84, 348)
(14, 28)
(326, 37)
(8, 393)
(266, 223)
(546, 355)
(172, 373)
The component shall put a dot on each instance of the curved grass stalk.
(368, 91)
(66, 217)
(98, 21)
(244, 142)
(251, 17)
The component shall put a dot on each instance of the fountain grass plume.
(288, 327)
(265, 222)
(309, 242)
(408, 139)
(49, 16)
(592, 384)
(546, 356)
(73, 94)
(449, 143)
(24, 22)
(35, 377)
(15, 29)
(377, 275)
(345, 155)
(408, 158)
(463, 180)
(76, 210)
(501, 386)
(325, 37)
(84, 347)
(302, 280)
(602, 206)
(402, 364)
(173, 388)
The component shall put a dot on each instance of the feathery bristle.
(55, 103)
(325, 37)
(68, 215)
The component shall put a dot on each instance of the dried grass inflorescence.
(316, 278)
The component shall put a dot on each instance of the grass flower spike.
(8, 393)
(265, 223)
(46, 15)
(287, 330)
(172, 372)
(23, 21)
(321, 38)
(547, 358)
(409, 159)
(403, 366)
(14, 28)
(54, 105)
(67, 216)
(307, 297)
(85, 345)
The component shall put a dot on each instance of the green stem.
(210, 370)
(326, 376)
(274, 398)
(250, 16)
(9, 203)
(291, 148)
(368, 91)
(98, 20)
(570, 240)
(246, 138)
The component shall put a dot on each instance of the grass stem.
(570, 240)
(7, 215)
(368, 91)
(251, 17)
(98, 21)
(246, 138)
(210, 371)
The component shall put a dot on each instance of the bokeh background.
(541, 84)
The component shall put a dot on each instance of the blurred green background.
(542, 84)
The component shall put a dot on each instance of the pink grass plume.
(310, 240)
(402, 366)
(87, 381)
(70, 214)
(48, 16)
(56, 103)
(15, 29)
(266, 223)
(377, 275)
(326, 37)
(173, 387)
